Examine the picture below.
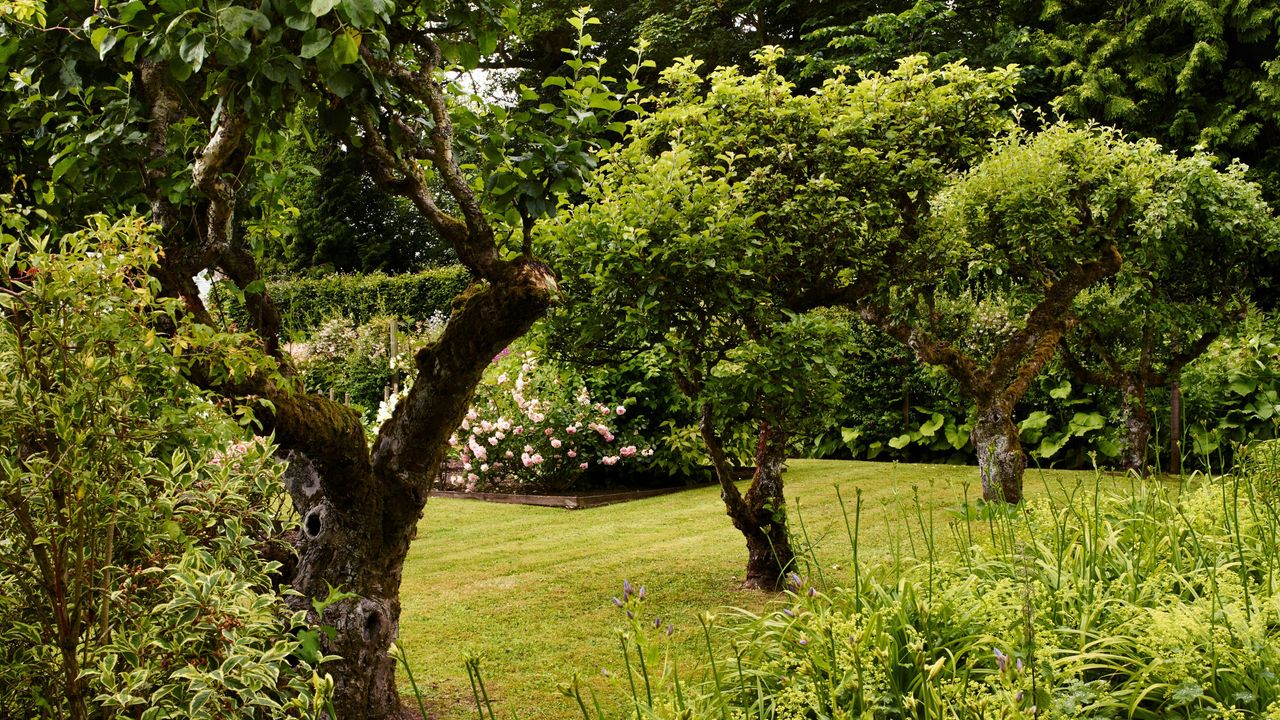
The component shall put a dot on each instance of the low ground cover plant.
(1160, 602)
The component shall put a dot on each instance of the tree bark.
(1001, 462)
(769, 553)
(360, 510)
(1137, 426)
(760, 515)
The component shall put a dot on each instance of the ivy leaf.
(315, 42)
(1061, 392)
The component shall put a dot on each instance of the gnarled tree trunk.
(360, 510)
(760, 515)
(1001, 462)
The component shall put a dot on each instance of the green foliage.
(1232, 393)
(1190, 73)
(136, 516)
(305, 304)
(534, 426)
(346, 223)
(1146, 604)
(354, 361)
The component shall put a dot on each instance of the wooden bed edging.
(568, 502)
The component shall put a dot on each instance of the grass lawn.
(528, 589)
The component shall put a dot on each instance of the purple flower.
(617, 602)
(1001, 659)
(803, 641)
(670, 629)
(813, 591)
(640, 593)
(788, 612)
(1018, 664)
(631, 615)
(794, 579)
(657, 622)
(626, 588)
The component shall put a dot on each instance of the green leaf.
(900, 441)
(320, 8)
(257, 286)
(849, 435)
(1037, 420)
(1243, 385)
(932, 424)
(468, 55)
(302, 22)
(1062, 391)
(1051, 445)
(64, 165)
(361, 13)
(315, 42)
(239, 20)
(346, 47)
(192, 50)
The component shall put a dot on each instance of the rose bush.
(534, 426)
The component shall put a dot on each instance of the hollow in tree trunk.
(1001, 462)
(1137, 427)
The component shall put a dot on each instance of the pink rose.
(620, 410)
(555, 442)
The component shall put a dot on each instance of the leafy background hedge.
(307, 303)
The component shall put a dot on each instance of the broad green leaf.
(1243, 384)
(1037, 420)
(239, 20)
(315, 42)
(1062, 391)
(192, 50)
(346, 47)
(320, 8)
(932, 424)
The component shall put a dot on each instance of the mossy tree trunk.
(360, 507)
(998, 383)
(1001, 462)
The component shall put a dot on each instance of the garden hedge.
(306, 303)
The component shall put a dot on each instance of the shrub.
(308, 303)
(134, 514)
(1154, 605)
(353, 361)
(534, 426)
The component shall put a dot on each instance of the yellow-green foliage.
(1154, 603)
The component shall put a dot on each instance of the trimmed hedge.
(306, 303)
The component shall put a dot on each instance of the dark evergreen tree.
(349, 224)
